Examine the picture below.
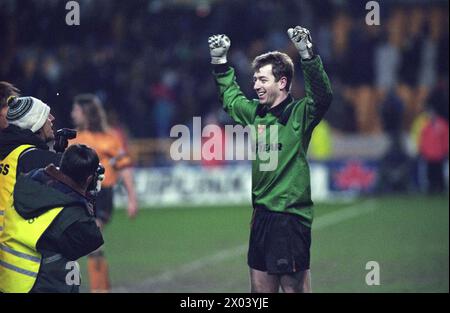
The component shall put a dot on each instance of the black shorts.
(279, 243)
(104, 205)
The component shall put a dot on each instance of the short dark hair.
(93, 111)
(7, 90)
(282, 65)
(79, 162)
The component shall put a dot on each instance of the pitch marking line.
(321, 223)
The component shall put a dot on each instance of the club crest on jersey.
(261, 128)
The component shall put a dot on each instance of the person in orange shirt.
(433, 149)
(89, 118)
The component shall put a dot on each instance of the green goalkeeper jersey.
(285, 187)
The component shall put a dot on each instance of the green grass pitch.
(203, 249)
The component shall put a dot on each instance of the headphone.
(95, 185)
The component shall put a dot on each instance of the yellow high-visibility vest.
(320, 147)
(19, 259)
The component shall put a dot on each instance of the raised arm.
(240, 109)
(317, 84)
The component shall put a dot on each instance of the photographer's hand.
(62, 137)
(60, 144)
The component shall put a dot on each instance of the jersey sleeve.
(238, 107)
(318, 93)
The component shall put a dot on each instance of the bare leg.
(262, 282)
(297, 282)
(98, 268)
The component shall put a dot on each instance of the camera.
(95, 185)
(62, 137)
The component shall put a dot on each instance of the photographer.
(51, 223)
(26, 139)
(24, 144)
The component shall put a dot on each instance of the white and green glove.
(218, 47)
(302, 40)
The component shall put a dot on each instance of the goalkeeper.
(280, 238)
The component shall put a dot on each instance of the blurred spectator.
(163, 97)
(433, 148)
(395, 168)
(395, 165)
(6, 90)
(122, 53)
(321, 145)
(334, 48)
(412, 88)
(392, 108)
(387, 54)
(213, 145)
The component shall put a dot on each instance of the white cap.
(27, 113)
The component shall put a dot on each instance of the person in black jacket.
(73, 233)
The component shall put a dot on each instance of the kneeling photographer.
(50, 225)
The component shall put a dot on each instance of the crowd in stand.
(148, 60)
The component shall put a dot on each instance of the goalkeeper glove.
(302, 40)
(218, 48)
